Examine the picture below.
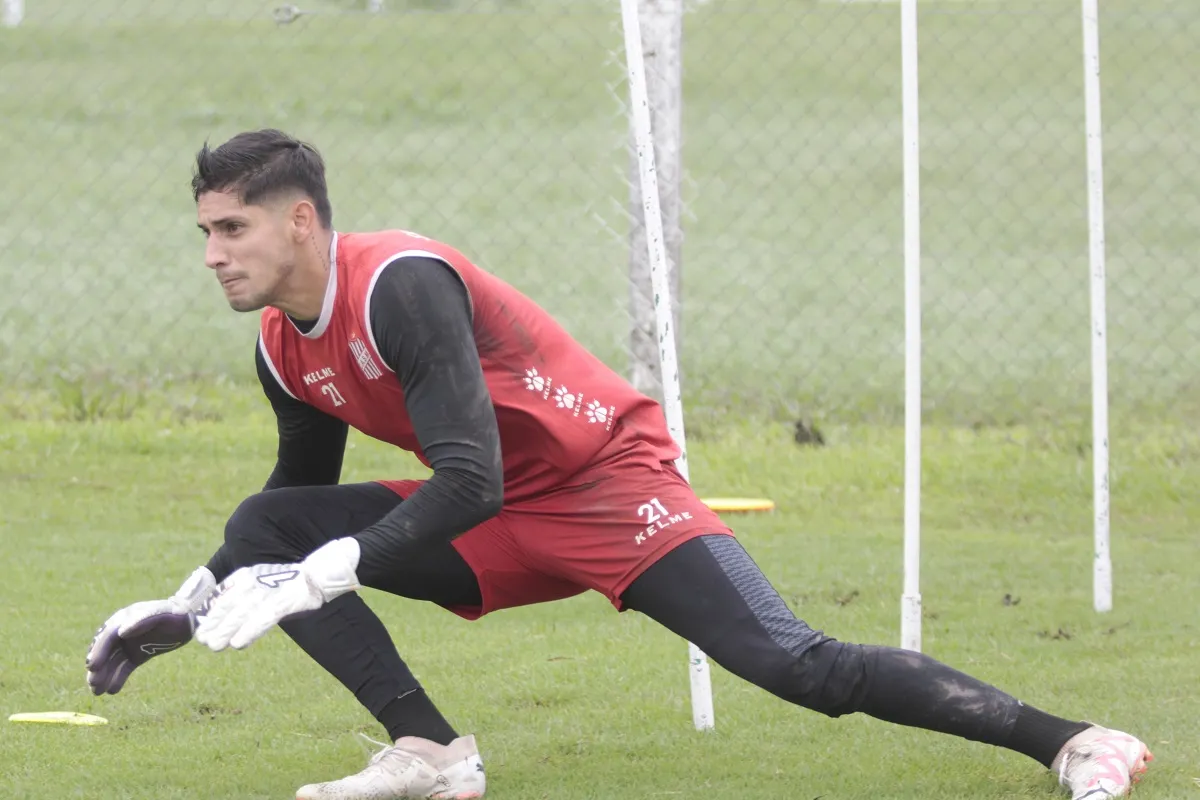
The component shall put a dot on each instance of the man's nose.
(215, 255)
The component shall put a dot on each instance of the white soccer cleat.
(1100, 763)
(410, 768)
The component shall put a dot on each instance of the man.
(550, 476)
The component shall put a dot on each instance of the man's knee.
(254, 531)
(830, 677)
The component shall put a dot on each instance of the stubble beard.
(264, 298)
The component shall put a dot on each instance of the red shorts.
(600, 530)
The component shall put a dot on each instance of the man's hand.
(138, 633)
(254, 599)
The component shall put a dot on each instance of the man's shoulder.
(376, 248)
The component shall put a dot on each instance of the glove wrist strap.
(332, 567)
(196, 590)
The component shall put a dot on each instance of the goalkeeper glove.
(254, 599)
(138, 633)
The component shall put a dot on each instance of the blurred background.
(501, 127)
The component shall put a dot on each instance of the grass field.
(572, 700)
(129, 429)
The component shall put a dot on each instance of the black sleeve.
(220, 564)
(420, 316)
(311, 447)
(311, 442)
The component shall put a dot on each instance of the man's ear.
(302, 216)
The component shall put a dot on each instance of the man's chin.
(246, 304)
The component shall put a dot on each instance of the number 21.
(652, 511)
(333, 392)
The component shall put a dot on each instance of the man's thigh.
(285, 525)
(712, 593)
(505, 577)
(609, 524)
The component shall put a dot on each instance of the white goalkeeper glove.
(137, 633)
(254, 599)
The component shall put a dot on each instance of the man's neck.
(308, 282)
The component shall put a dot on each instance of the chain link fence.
(502, 128)
(1005, 218)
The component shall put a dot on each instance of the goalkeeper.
(551, 476)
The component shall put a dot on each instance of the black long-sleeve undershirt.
(311, 442)
(421, 319)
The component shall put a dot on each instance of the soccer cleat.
(1099, 764)
(410, 768)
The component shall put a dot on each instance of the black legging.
(708, 591)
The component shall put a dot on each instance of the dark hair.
(259, 164)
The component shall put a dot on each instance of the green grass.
(502, 131)
(572, 700)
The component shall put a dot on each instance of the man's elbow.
(480, 493)
(476, 493)
(491, 497)
(491, 486)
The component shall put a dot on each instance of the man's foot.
(411, 768)
(1099, 763)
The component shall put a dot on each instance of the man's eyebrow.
(216, 223)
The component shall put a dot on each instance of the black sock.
(414, 714)
(1040, 735)
(912, 689)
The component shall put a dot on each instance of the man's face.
(250, 247)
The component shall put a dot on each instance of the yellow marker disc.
(739, 504)
(59, 718)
